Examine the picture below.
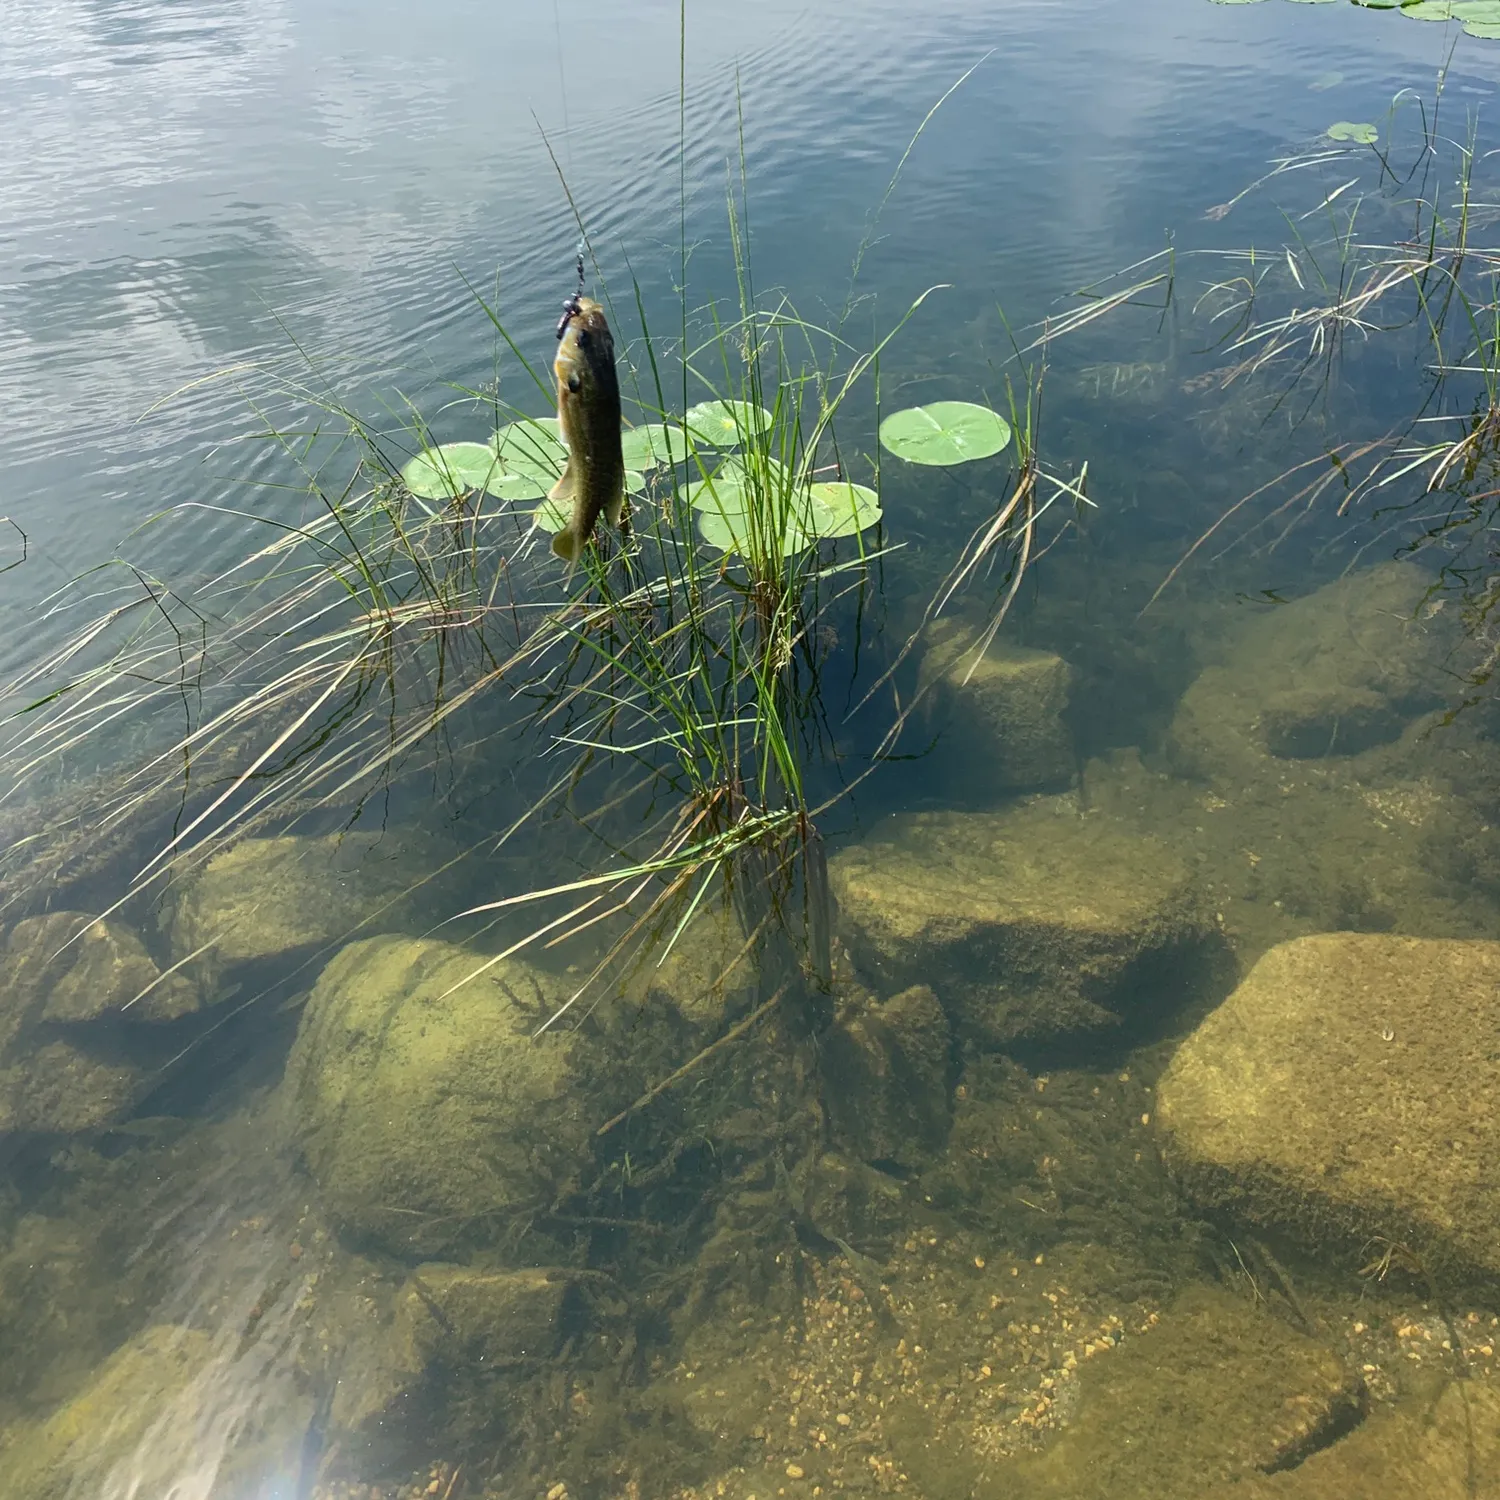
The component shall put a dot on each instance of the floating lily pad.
(730, 530)
(725, 424)
(516, 487)
(1345, 130)
(1429, 10)
(841, 509)
(729, 487)
(451, 470)
(1488, 31)
(532, 446)
(552, 515)
(653, 443)
(944, 433)
(1477, 12)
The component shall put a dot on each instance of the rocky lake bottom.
(1148, 1145)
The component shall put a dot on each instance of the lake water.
(1073, 1174)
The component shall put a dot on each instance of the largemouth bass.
(588, 411)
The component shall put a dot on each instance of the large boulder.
(281, 898)
(70, 987)
(1219, 1392)
(998, 714)
(1028, 924)
(70, 967)
(1345, 1091)
(1348, 668)
(423, 1099)
(1442, 1445)
(125, 1432)
(885, 1072)
(448, 1322)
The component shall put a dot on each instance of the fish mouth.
(571, 309)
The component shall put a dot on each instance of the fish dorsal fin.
(566, 488)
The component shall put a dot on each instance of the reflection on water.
(1137, 1137)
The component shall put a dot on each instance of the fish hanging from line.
(588, 411)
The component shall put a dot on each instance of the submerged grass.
(1398, 272)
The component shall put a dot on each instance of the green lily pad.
(841, 509)
(729, 532)
(532, 446)
(730, 486)
(516, 487)
(451, 470)
(653, 443)
(1429, 10)
(635, 482)
(944, 433)
(1488, 31)
(725, 424)
(1477, 12)
(552, 515)
(1346, 130)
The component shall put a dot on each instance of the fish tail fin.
(565, 545)
(615, 509)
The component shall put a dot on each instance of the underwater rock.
(1433, 1446)
(447, 1320)
(1336, 673)
(885, 1072)
(422, 1101)
(1000, 719)
(106, 1440)
(707, 977)
(1218, 1392)
(66, 982)
(57, 1088)
(1028, 924)
(268, 898)
(1345, 1092)
(69, 967)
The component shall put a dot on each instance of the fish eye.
(583, 338)
(574, 383)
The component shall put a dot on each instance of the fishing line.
(562, 85)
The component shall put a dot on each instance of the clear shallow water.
(190, 186)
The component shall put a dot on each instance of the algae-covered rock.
(268, 898)
(707, 976)
(1346, 1090)
(62, 1089)
(1343, 670)
(421, 1099)
(1435, 1445)
(1028, 923)
(107, 1439)
(449, 1321)
(885, 1072)
(69, 967)
(999, 715)
(1217, 1393)
(71, 986)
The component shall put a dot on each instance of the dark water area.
(1084, 1083)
